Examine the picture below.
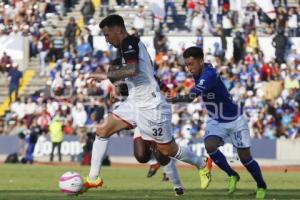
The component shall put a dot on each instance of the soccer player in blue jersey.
(226, 120)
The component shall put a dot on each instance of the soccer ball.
(70, 183)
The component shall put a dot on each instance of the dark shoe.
(179, 191)
(152, 170)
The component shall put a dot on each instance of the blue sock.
(220, 160)
(254, 169)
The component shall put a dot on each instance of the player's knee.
(141, 157)
(244, 154)
(162, 159)
(211, 144)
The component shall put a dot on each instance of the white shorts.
(153, 124)
(237, 131)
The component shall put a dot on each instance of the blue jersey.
(215, 95)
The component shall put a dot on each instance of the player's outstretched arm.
(97, 76)
(188, 98)
(117, 72)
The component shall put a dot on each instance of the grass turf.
(36, 182)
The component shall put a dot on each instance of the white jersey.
(143, 88)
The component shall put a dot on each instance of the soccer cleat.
(261, 193)
(232, 181)
(153, 169)
(179, 191)
(205, 177)
(165, 177)
(88, 184)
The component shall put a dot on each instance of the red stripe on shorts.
(128, 123)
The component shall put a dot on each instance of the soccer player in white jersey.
(145, 106)
(226, 120)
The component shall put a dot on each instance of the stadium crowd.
(268, 90)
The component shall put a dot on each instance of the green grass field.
(36, 182)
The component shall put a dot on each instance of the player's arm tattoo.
(188, 98)
(118, 72)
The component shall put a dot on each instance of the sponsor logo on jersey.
(201, 84)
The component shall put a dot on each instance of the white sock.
(98, 153)
(172, 173)
(152, 160)
(186, 155)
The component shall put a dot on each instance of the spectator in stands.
(199, 38)
(58, 85)
(293, 58)
(44, 48)
(227, 24)
(68, 126)
(252, 41)
(83, 48)
(190, 5)
(72, 29)
(171, 4)
(298, 21)
(44, 119)
(139, 20)
(292, 23)
(4, 62)
(79, 115)
(30, 110)
(238, 47)
(104, 8)
(58, 44)
(94, 27)
(17, 110)
(87, 11)
(281, 18)
(56, 136)
(33, 46)
(15, 79)
(280, 42)
(198, 21)
(89, 37)
(160, 42)
(296, 123)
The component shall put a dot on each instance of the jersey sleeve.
(130, 50)
(206, 82)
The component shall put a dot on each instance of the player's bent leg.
(183, 154)
(110, 125)
(254, 169)
(212, 143)
(141, 149)
(143, 154)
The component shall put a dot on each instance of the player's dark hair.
(194, 52)
(112, 20)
